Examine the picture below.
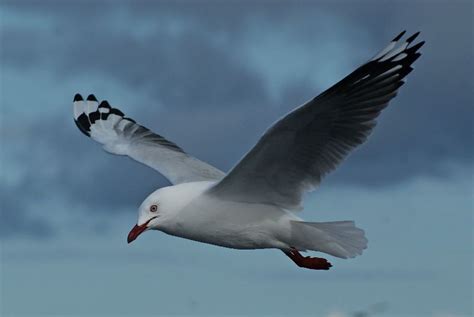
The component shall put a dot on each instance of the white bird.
(252, 206)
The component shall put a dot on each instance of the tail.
(340, 238)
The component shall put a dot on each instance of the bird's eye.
(153, 208)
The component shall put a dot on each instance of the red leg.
(308, 262)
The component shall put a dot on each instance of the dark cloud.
(187, 67)
(16, 219)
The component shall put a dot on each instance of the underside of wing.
(297, 151)
(123, 136)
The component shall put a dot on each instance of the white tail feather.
(340, 238)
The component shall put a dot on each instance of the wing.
(123, 136)
(299, 149)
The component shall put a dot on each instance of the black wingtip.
(91, 97)
(104, 104)
(399, 36)
(415, 47)
(80, 124)
(78, 97)
(117, 112)
(411, 38)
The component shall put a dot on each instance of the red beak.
(137, 230)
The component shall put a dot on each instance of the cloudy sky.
(211, 76)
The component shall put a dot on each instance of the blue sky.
(211, 76)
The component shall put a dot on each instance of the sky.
(212, 76)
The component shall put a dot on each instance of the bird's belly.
(236, 237)
(233, 225)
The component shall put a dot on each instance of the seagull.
(254, 205)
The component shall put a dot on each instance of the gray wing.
(302, 147)
(123, 136)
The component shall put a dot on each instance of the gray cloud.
(15, 217)
(187, 66)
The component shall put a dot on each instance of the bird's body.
(237, 225)
(253, 206)
(192, 213)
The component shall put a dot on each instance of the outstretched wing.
(299, 149)
(123, 136)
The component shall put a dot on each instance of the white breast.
(232, 224)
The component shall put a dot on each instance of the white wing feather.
(123, 136)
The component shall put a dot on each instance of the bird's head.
(149, 215)
(161, 209)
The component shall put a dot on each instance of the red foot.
(308, 262)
